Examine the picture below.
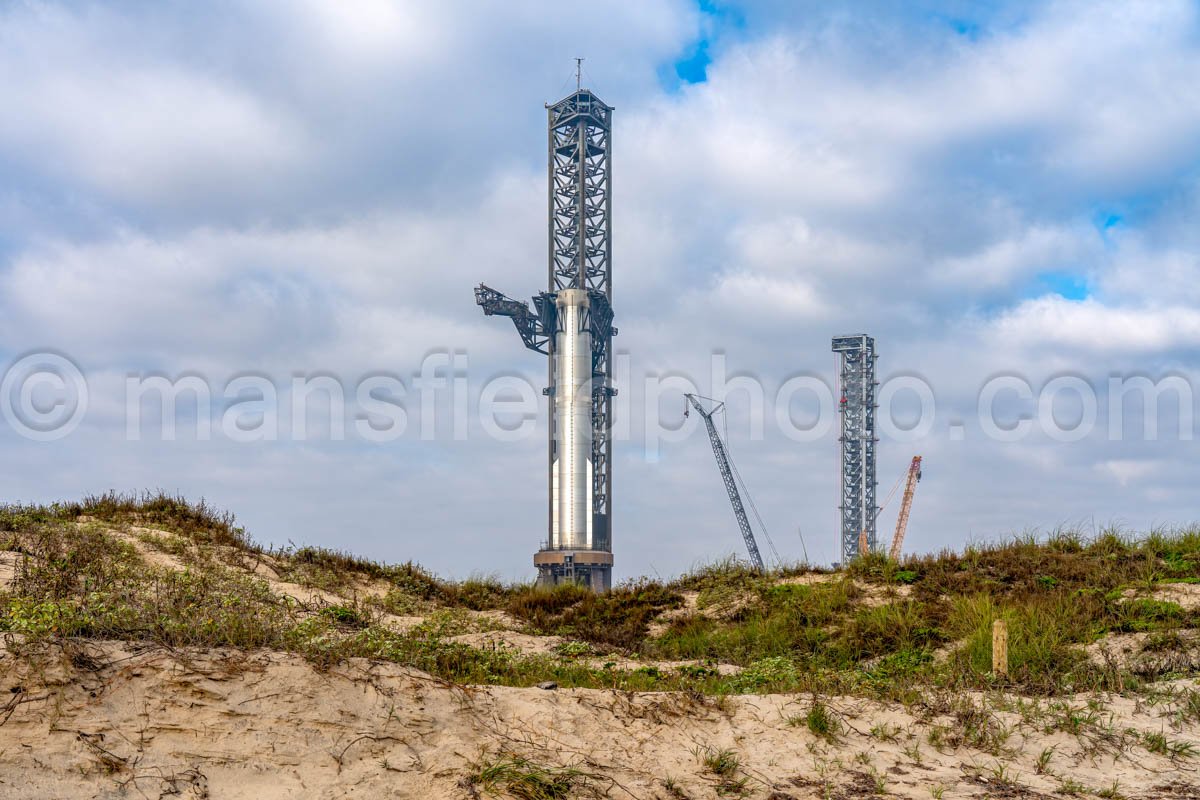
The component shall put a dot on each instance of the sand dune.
(100, 720)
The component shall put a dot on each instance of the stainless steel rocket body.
(573, 422)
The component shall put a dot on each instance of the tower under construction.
(571, 323)
(856, 407)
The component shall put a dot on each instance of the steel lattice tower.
(571, 323)
(856, 379)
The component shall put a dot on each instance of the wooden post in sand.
(1000, 648)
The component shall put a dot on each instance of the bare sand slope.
(103, 720)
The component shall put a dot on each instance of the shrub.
(879, 630)
(1145, 614)
(1042, 632)
(776, 672)
(344, 615)
(820, 720)
(619, 618)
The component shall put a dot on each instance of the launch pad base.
(591, 568)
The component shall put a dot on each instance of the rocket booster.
(573, 421)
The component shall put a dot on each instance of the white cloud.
(89, 108)
(1125, 471)
(301, 187)
(283, 111)
(1094, 327)
(1033, 248)
(752, 294)
(372, 30)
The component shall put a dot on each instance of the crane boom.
(914, 475)
(723, 465)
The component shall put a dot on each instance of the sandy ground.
(104, 721)
(524, 643)
(1137, 652)
(8, 568)
(1187, 595)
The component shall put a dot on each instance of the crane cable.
(757, 516)
(749, 498)
(891, 494)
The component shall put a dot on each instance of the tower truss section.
(856, 408)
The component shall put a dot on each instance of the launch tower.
(856, 407)
(571, 323)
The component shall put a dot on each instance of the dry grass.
(816, 633)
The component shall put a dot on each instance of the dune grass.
(879, 627)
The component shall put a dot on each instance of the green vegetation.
(879, 628)
(820, 721)
(1175, 749)
(519, 777)
(726, 767)
(618, 619)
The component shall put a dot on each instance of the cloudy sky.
(312, 188)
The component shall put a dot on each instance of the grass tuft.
(524, 779)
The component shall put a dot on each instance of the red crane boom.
(914, 475)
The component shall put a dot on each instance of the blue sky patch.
(693, 68)
(1068, 285)
(963, 27)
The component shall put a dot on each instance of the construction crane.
(729, 475)
(863, 546)
(914, 476)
